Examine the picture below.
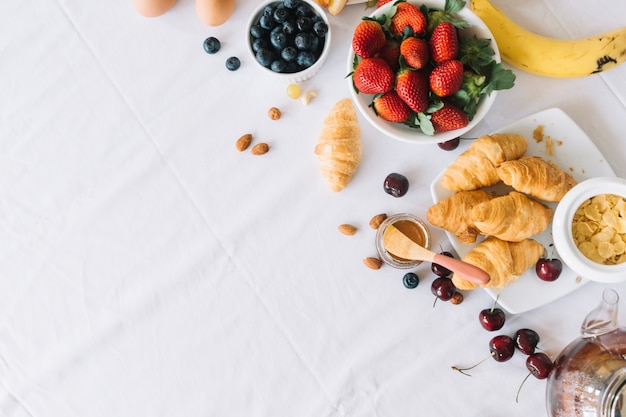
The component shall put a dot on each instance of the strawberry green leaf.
(475, 52)
(426, 126)
(498, 78)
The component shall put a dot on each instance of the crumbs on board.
(539, 136)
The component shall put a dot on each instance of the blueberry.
(281, 14)
(303, 41)
(291, 4)
(267, 22)
(304, 23)
(305, 59)
(278, 65)
(278, 39)
(211, 45)
(289, 27)
(233, 63)
(304, 9)
(268, 11)
(258, 44)
(315, 43)
(410, 280)
(264, 57)
(289, 54)
(258, 32)
(320, 28)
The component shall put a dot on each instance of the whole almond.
(260, 149)
(243, 142)
(373, 263)
(377, 220)
(347, 229)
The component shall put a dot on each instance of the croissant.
(454, 214)
(536, 177)
(513, 217)
(339, 145)
(476, 167)
(503, 261)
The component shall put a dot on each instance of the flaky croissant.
(476, 167)
(536, 177)
(339, 145)
(503, 261)
(454, 214)
(513, 217)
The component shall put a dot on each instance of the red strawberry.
(390, 53)
(449, 117)
(390, 107)
(415, 52)
(444, 42)
(380, 3)
(409, 15)
(373, 76)
(446, 78)
(368, 38)
(412, 87)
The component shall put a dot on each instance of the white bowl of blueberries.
(289, 38)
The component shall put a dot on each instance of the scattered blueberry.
(233, 63)
(410, 280)
(211, 45)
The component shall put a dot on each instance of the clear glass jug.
(589, 375)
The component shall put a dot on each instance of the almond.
(373, 263)
(377, 220)
(243, 142)
(347, 229)
(260, 149)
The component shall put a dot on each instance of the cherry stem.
(520, 387)
(462, 370)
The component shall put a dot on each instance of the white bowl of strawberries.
(425, 71)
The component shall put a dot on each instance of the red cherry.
(502, 348)
(549, 269)
(492, 319)
(450, 145)
(526, 340)
(540, 365)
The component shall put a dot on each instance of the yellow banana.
(551, 57)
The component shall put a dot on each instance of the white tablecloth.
(147, 268)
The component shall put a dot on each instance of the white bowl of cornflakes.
(589, 229)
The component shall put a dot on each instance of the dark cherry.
(443, 288)
(450, 145)
(549, 269)
(526, 341)
(540, 365)
(439, 270)
(492, 319)
(502, 348)
(396, 184)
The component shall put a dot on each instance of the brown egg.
(153, 8)
(214, 12)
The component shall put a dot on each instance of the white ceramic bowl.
(405, 133)
(294, 77)
(562, 229)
